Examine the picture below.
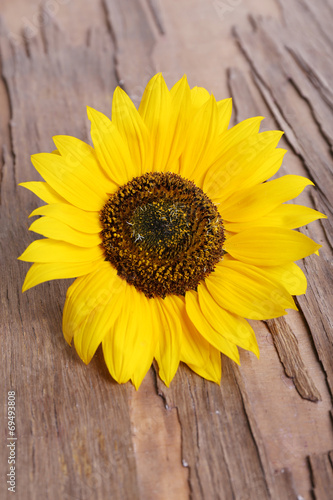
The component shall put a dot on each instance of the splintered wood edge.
(287, 348)
(321, 467)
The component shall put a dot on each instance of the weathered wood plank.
(285, 487)
(80, 434)
(322, 475)
(218, 446)
(64, 450)
(287, 347)
(279, 80)
(248, 105)
(157, 445)
(134, 41)
(280, 75)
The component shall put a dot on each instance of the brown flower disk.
(162, 233)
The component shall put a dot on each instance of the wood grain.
(266, 431)
(287, 347)
(308, 130)
(322, 474)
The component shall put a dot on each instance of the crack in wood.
(159, 458)
(321, 471)
(157, 13)
(286, 345)
(217, 428)
(134, 43)
(317, 82)
(321, 206)
(196, 464)
(255, 432)
(275, 83)
(276, 78)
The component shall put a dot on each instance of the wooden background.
(266, 432)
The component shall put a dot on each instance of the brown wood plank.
(80, 435)
(69, 445)
(267, 51)
(134, 41)
(282, 86)
(287, 347)
(218, 445)
(157, 445)
(322, 475)
(280, 76)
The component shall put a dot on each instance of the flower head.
(171, 231)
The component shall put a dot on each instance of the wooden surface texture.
(266, 431)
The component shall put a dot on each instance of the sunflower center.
(162, 234)
(161, 226)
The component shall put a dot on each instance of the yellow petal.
(87, 222)
(149, 332)
(194, 348)
(74, 184)
(57, 230)
(129, 346)
(288, 216)
(179, 120)
(173, 167)
(118, 352)
(224, 111)
(111, 150)
(41, 272)
(199, 97)
(155, 110)
(238, 330)
(44, 191)
(249, 204)
(169, 347)
(266, 246)
(200, 149)
(94, 295)
(241, 290)
(289, 275)
(207, 331)
(59, 251)
(98, 324)
(212, 369)
(82, 155)
(196, 352)
(227, 235)
(238, 135)
(67, 329)
(245, 165)
(133, 130)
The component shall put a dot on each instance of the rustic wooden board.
(266, 432)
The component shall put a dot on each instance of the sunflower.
(171, 231)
